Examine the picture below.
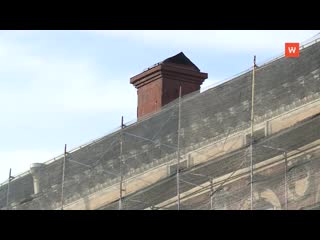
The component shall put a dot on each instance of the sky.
(71, 87)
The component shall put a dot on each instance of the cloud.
(226, 41)
(40, 84)
(42, 92)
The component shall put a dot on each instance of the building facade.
(136, 166)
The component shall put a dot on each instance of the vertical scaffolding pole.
(285, 180)
(8, 189)
(251, 142)
(120, 166)
(211, 193)
(63, 172)
(178, 151)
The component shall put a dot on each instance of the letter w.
(292, 49)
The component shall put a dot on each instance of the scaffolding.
(209, 150)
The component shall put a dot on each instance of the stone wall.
(231, 177)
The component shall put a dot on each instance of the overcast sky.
(71, 87)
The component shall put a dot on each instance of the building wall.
(268, 188)
(231, 176)
(217, 114)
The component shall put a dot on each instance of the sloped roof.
(182, 59)
(279, 83)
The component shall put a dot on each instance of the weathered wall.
(171, 89)
(150, 98)
(231, 178)
(21, 189)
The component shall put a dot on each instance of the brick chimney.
(159, 84)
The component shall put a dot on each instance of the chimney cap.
(178, 59)
(35, 167)
(181, 59)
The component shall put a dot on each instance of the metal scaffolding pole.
(285, 180)
(252, 123)
(211, 193)
(120, 165)
(8, 188)
(178, 152)
(63, 175)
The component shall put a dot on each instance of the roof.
(223, 107)
(182, 59)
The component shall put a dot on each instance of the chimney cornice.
(169, 70)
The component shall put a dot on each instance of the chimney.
(159, 84)
(35, 170)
